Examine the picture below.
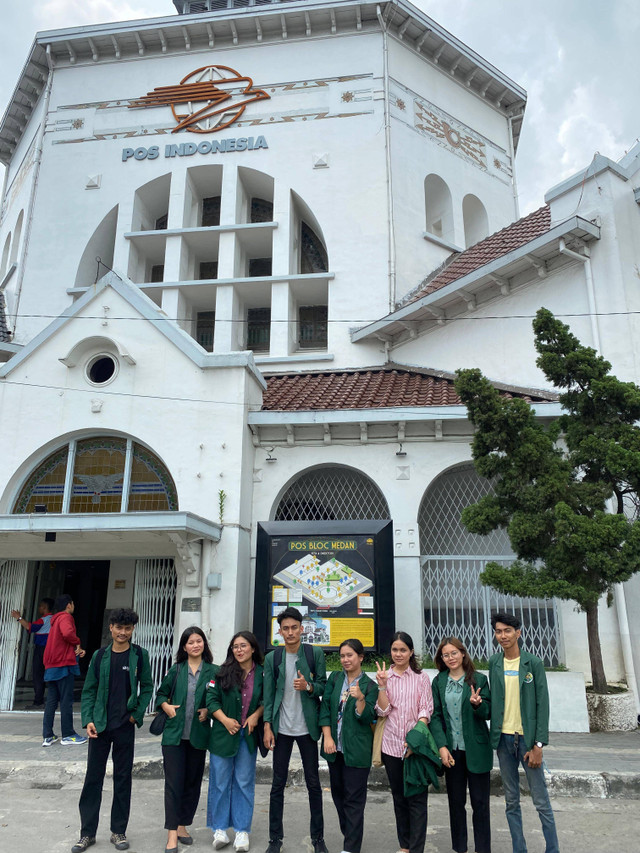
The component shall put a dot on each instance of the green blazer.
(273, 692)
(478, 752)
(95, 693)
(200, 732)
(230, 703)
(534, 698)
(357, 737)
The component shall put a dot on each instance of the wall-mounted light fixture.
(401, 452)
(270, 458)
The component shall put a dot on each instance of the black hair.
(506, 619)
(49, 602)
(467, 663)
(61, 602)
(123, 616)
(181, 655)
(230, 673)
(408, 641)
(289, 613)
(354, 644)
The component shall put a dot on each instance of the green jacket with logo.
(95, 693)
(534, 698)
(478, 752)
(357, 737)
(200, 732)
(273, 692)
(223, 743)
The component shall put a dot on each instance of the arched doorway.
(452, 558)
(332, 493)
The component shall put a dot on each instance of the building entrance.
(86, 581)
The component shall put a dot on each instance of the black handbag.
(158, 723)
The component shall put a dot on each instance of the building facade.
(244, 247)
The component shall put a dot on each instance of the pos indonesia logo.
(206, 100)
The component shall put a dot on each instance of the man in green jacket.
(117, 689)
(520, 728)
(292, 692)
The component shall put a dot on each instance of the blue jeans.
(60, 691)
(232, 783)
(511, 750)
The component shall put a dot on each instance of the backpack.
(100, 654)
(277, 660)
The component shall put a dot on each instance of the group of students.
(247, 702)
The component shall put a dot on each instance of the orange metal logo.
(205, 101)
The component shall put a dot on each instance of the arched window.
(101, 245)
(5, 255)
(332, 494)
(438, 208)
(455, 602)
(110, 474)
(476, 222)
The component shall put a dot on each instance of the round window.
(101, 369)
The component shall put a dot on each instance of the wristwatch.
(309, 687)
(539, 744)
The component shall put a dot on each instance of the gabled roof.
(373, 388)
(249, 23)
(495, 246)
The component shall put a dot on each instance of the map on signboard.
(329, 584)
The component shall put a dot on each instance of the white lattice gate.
(13, 579)
(154, 600)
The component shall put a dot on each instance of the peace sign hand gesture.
(381, 674)
(476, 698)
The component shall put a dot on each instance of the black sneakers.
(274, 846)
(81, 846)
(119, 840)
(319, 846)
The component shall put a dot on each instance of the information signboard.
(338, 574)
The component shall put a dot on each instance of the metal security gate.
(457, 605)
(452, 558)
(154, 600)
(13, 579)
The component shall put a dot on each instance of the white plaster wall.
(120, 570)
(574, 634)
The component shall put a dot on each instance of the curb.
(53, 775)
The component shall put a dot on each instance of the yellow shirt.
(512, 721)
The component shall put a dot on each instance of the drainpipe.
(619, 593)
(34, 185)
(512, 155)
(205, 568)
(387, 142)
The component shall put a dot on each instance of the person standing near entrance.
(40, 629)
(292, 692)
(520, 728)
(116, 692)
(60, 668)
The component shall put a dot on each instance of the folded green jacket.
(423, 766)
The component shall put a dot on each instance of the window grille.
(312, 325)
(260, 267)
(332, 494)
(208, 269)
(13, 580)
(313, 255)
(154, 600)
(452, 558)
(258, 329)
(161, 222)
(261, 210)
(211, 211)
(157, 273)
(205, 328)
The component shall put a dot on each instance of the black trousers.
(349, 793)
(37, 673)
(458, 777)
(411, 812)
(281, 757)
(183, 769)
(122, 741)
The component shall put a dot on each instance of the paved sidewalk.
(603, 765)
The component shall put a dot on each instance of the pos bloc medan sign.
(338, 574)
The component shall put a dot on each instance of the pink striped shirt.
(410, 698)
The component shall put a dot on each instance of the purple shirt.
(247, 693)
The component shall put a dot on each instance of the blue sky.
(574, 58)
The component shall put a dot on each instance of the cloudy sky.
(574, 58)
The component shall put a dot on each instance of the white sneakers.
(220, 839)
(242, 842)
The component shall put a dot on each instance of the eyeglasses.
(240, 647)
(451, 655)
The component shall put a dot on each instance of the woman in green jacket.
(461, 708)
(182, 696)
(346, 715)
(235, 703)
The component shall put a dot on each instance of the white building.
(282, 197)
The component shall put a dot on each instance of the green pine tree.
(566, 493)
